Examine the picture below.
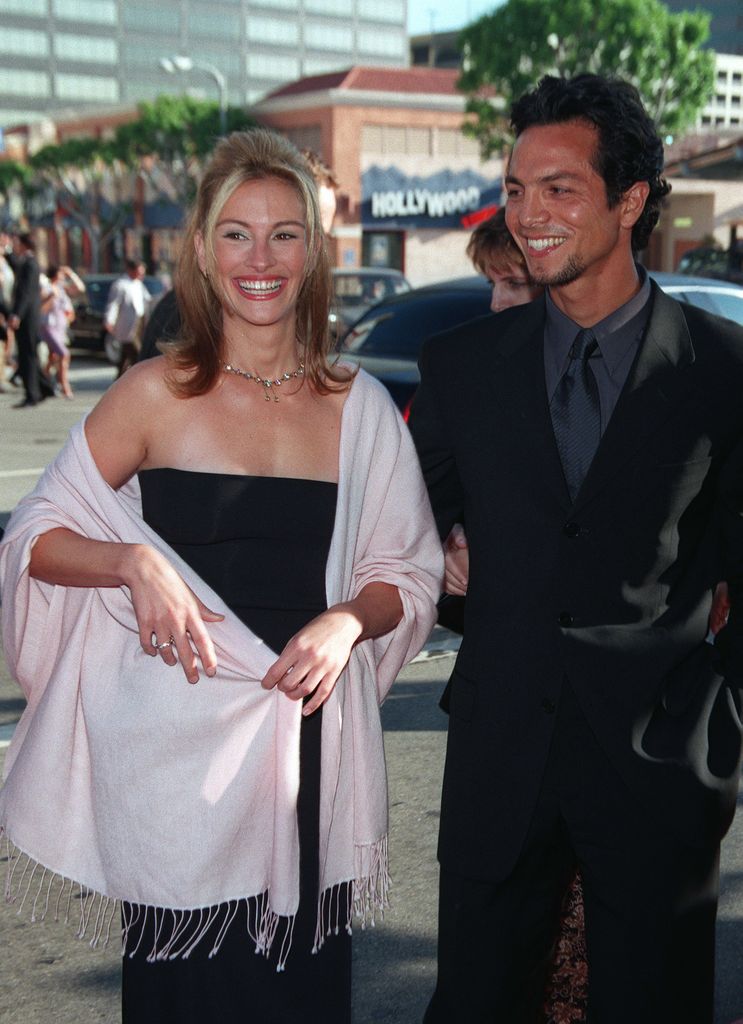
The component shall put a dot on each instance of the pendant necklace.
(269, 384)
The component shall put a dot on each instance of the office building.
(64, 57)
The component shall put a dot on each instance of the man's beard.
(571, 271)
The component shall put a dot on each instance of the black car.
(86, 331)
(387, 339)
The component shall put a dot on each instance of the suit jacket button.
(571, 530)
(548, 706)
(565, 619)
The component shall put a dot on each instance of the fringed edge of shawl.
(364, 898)
(39, 890)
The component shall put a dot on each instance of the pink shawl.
(132, 784)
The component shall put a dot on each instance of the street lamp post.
(184, 64)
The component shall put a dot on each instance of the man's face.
(557, 209)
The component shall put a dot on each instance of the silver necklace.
(269, 384)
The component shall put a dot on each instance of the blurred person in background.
(7, 280)
(25, 321)
(57, 313)
(125, 312)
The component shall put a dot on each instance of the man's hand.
(456, 562)
(718, 616)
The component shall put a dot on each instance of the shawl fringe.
(38, 890)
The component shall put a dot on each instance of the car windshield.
(398, 329)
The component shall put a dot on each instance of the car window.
(399, 329)
(364, 289)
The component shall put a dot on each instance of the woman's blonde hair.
(248, 156)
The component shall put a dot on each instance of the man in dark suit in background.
(591, 442)
(25, 320)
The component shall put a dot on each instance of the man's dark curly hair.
(629, 148)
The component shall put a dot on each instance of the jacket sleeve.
(729, 641)
(433, 442)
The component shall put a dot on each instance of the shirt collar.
(615, 334)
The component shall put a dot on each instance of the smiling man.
(592, 444)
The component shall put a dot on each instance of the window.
(208, 23)
(737, 78)
(328, 37)
(382, 10)
(151, 19)
(292, 5)
(229, 63)
(102, 12)
(31, 7)
(24, 83)
(381, 45)
(272, 30)
(266, 65)
(86, 48)
(86, 87)
(23, 42)
(321, 65)
(339, 7)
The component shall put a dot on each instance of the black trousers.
(28, 365)
(650, 905)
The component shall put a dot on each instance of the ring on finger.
(162, 646)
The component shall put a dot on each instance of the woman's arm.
(314, 658)
(165, 607)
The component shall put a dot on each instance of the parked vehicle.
(710, 261)
(87, 331)
(388, 338)
(357, 290)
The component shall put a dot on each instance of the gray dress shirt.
(618, 336)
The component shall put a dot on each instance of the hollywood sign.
(417, 201)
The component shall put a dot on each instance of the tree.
(508, 51)
(170, 139)
(76, 175)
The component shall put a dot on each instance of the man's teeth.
(259, 286)
(544, 243)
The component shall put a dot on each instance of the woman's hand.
(168, 612)
(456, 562)
(314, 658)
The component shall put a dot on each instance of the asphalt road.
(48, 977)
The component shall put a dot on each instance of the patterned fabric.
(567, 990)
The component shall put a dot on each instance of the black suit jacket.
(26, 304)
(612, 591)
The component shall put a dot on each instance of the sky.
(446, 14)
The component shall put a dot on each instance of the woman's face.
(260, 249)
(511, 286)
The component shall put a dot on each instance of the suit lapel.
(655, 385)
(520, 402)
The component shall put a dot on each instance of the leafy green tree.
(507, 51)
(170, 140)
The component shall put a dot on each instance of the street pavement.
(49, 977)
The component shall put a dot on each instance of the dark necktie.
(576, 412)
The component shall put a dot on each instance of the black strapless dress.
(262, 544)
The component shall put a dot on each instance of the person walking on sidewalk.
(25, 321)
(591, 442)
(125, 312)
